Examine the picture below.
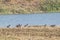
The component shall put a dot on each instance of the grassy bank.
(30, 33)
(29, 6)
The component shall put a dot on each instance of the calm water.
(31, 19)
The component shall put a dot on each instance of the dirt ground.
(30, 33)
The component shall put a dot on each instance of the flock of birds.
(19, 25)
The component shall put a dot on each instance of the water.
(31, 19)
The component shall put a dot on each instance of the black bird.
(8, 26)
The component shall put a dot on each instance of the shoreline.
(30, 13)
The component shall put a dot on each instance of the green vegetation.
(29, 6)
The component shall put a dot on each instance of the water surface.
(31, 19)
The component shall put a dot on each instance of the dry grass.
(30, 33)
(29, 6)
